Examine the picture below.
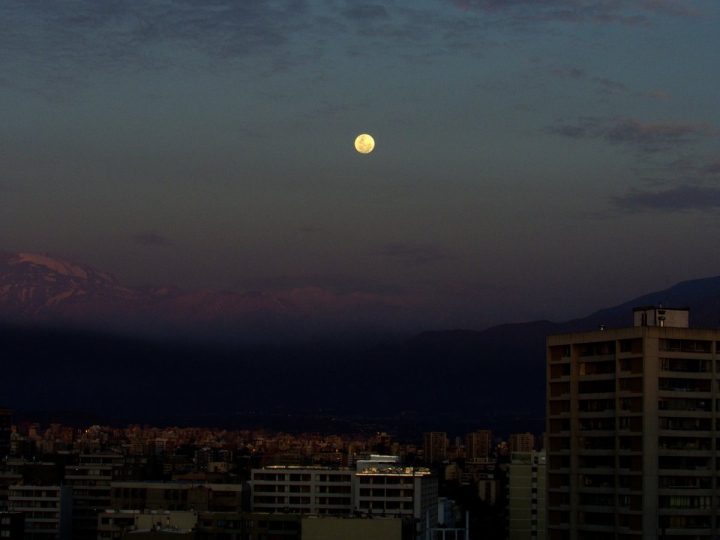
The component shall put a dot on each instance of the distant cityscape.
(106, 482)
(630, 453)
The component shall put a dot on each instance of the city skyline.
(533, 159)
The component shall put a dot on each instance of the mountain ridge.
(39, 288)
(464, 376)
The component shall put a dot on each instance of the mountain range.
(42, 289)
(493, 378)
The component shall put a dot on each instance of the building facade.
(177, 496)
(521, 442)
(5, 432)
(526, 496)
(90, 479)
(434, 446)
(12, 525)
(633, 431)
(478, 445)
(379, 486)
(302, 490)
(47, 509)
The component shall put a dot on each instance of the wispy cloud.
(630, 131)
(604, 85)
(683, 197)
(608, 86)
(60, 42)
(655, 137)
(570, 73)
(586, 126)
(365, 13)
(627, 12)
(149, 238)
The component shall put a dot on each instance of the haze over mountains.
(40, 289)
(55, 357)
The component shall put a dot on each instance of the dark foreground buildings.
(633, 431)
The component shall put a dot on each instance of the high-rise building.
(434, 446)
(91, 479)
(632, 431)
(521, 442)
(5, 432)
(526, 496)
(478, 445)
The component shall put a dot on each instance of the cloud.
(688, 166)
(655, 137)
(149, 238)
(58, 40)
(366, 13)
(607, 86)
(683, 197)
(627, 12)
(648, 138)
(415, 255)
(603, 85)
(53, 45)
(570, 73)
(586, 126)
(712, 169)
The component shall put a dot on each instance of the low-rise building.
(332, 528)
(187, 496)
(302, 490)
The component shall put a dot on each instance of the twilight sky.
(534, 158)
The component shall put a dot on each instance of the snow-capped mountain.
(35, 285)
(39, 288)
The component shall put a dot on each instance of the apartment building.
(391, 489)
(177, 496)
(133, 524)
(5, 432)
(434, 446)
(302, 490)
(478, 445)
(526, 496)
(12, 525)
(379, 486)
(47, 509)
(521, 442)
(90, 479)
(327, 528)
(632, 430)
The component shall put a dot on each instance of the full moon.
(364, 143)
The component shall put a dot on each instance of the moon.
(364, 143)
